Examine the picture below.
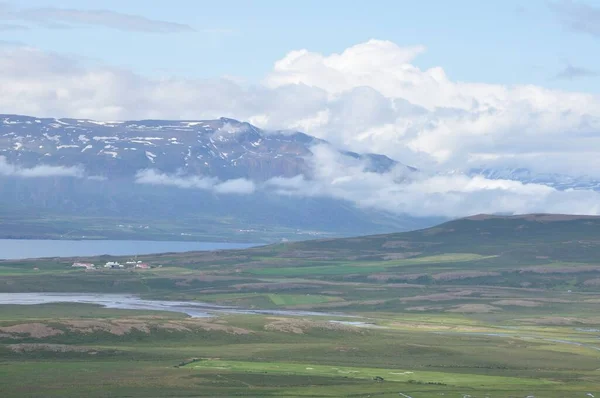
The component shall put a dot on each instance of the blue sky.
(506, 42)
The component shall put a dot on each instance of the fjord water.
(11, 249)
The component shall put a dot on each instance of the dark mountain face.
(223, 148)
(111, 154)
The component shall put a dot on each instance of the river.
(131, 302)
(11, 249)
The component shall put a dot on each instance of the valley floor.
(481, 321)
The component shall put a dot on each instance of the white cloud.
(368, 98)
(8, 169)
(420, 194)
(237, 186)
(154, 177)
(421, 116)
(234, 186)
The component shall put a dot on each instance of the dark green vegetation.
(486, 307)
(201, 224)
(22, 223)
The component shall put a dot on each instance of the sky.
(440, 85)
(506, 42)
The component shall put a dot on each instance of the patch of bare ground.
(394, 244)
(517, 303)
(400, 256)
(451, 295)
(592, 282)
(125, 326)
(356, 240)
(423, 326)
(592, 301)
(403, 285)
(474, 308)
(559, 321)
(553, 300)
(540, 269)
(213, 325)
(116, 327)
(32, 347)
(188, 280)
(436, 231)
(273, 286)
(35, 330)
(425, 308)
(458, 275)
(333, 292)
(301, 326)
(335, 304)
(313, 254)
(497, 295)
(383, 277)
(173, 327)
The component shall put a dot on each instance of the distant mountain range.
(107, 157)
(555, 180)
(223, 148)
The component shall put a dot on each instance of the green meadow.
(491, 308)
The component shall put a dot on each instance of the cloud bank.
(9, 170)
(234, 186)
(422, 194)
(398, 191)
(368, 98)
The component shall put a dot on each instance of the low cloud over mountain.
(228, 157)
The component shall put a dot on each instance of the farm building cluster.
(113, 265)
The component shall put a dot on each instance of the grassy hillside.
(483, 306)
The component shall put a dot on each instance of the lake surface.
(11, 249)
(131, 302)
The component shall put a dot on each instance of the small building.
(113, 264)
(142, 266)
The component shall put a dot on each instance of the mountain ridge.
(224, 148)
(91, 170)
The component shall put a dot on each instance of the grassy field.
(479, 308)
(124, 353)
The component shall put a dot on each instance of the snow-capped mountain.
(555, 180)
(108, 157)
(223, 148)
